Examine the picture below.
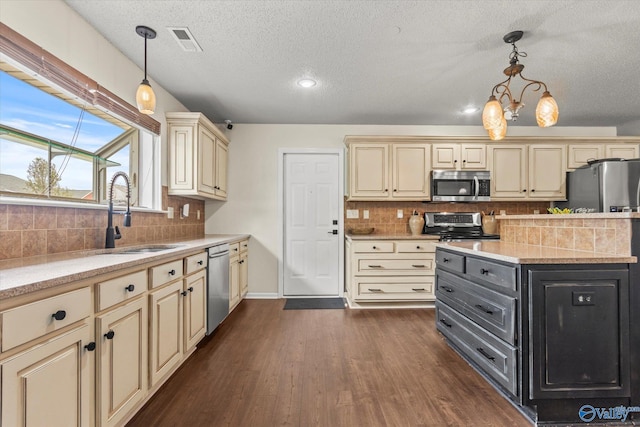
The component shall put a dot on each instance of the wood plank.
(266, 366)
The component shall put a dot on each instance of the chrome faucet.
(113, 235)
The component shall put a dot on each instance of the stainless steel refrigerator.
(608, 185)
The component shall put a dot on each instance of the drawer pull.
(59, 315)
(190, 289)
(183, 293)
(445, 260)
(130, 288)
(446, 289)
(485, 309)
(200, 262)
(91, 346)
(485, 354)
(445, 323)
(172, 272)
(375, 290)
(418, 247)
(418, 289)
(374, 247)
(375, 266)
(484, 271)
(418, 265)
(109, 335)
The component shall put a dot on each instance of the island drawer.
(234, 249)
(195, 262)
(165, 273)
(396, 266)
(501, 275)
(493, 311)
(450, 261)
(114, 291)
(30, 321)
(494, 357)
(414, 246)
(372, 246)
(390, 289)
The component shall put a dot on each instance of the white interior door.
(312, 225)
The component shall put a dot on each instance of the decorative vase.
(489, 224)
(416, 223)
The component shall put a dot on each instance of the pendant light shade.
(499, 132)
(547, 111)
(145, 98)
(492, 115)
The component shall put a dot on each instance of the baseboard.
(261, 295)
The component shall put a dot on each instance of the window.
(64, 136)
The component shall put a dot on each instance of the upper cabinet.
(389, 171)
(197, 157)
(581, 154)
(459, 156)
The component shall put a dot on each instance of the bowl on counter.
(361, 231)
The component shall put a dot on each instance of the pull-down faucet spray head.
(113, 235)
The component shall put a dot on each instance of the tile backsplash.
(36, 230)
(383, 215)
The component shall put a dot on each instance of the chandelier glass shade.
(495, 115)
(145, 97)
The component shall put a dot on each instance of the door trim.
(281, 154)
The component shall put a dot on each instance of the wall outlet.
(198, 214)
(400, 213)
(170, 212)
(353, 214)
(503, 212)
(365, 214)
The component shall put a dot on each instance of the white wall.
(252, 205)
(55, 27)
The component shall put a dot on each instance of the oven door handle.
(476, 181)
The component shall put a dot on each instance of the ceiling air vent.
(185, 39)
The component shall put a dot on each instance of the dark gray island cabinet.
(554, 338)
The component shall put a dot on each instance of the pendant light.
(145, 98)
(495, 116)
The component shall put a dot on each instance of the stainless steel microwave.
(460, 186)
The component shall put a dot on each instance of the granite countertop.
(595, 215)
(377, 236)
(24, 275)
(529, 254)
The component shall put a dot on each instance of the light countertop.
(24, 275)
(595, 215)
(376, 236)
(528, 254)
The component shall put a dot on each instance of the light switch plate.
(353, 213)
(400, 213)
(170, 212)
(198, 214)
(365, 214)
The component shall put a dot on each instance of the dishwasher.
(217, 286)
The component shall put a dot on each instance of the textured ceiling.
(382, 62)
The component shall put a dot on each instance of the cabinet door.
(195, 309)
(580, 154)
(50, 384)
(623, 151)
(181, 157)
(508, 167)
(206, 161)
(234, 282)
(369, 171)
(165, 330)
(244, 274)
(410, 170)
(474, 156)
(121, 361)
(445, 156)
(222, 154)
(547, 172)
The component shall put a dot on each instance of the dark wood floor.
(266, 366)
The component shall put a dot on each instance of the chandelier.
(495, 116)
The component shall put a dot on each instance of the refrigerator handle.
(638, 196)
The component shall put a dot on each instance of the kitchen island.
(551, 328)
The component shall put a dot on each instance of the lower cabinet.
(121, 360)
(165, 330)
(50, 384)
(195, 309)
(238, 272)
(244, 268)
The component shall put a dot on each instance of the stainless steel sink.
(145, 249)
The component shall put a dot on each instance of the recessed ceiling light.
(470, 109)
(306, 83)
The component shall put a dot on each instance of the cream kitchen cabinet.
(533, 172)
(234, 275)
(244, 268)
(623, 151)
(459, 156)
(197, 157)
(389, 171)
(195, 309)
(581, 154)
(390, 270)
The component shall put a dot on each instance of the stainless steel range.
(456, 226)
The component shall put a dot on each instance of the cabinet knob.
(190, 289)
(533, 191)
(445, 259)
(374, 247)
(183, 293)
(455, 161)
(524, 191)
(418, 247)
(200, 262)
(484, 271)
(91, 346)
(395, 190)
(59, 315)
(109, 335)
(130, 288)
(445, 323)
(172, 272)
(386, 189)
